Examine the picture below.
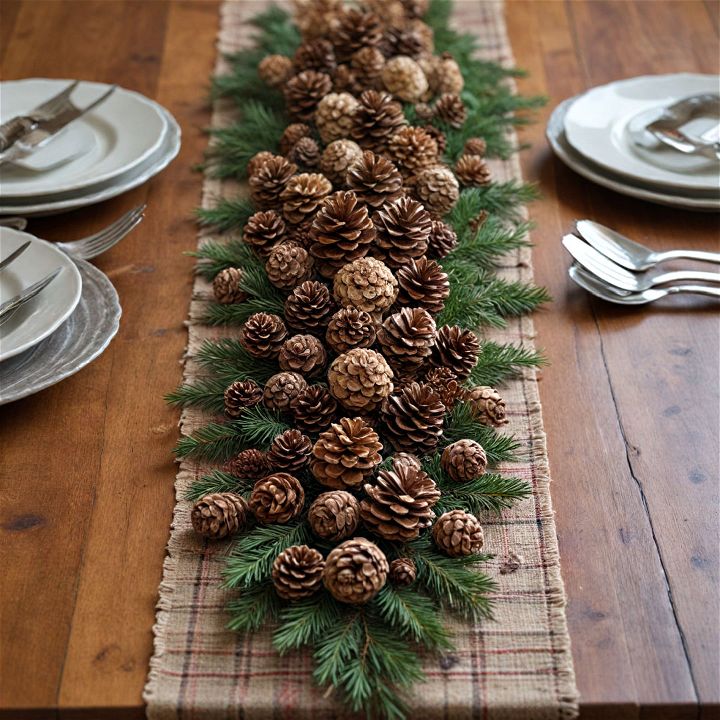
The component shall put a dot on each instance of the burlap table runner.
(518, 666)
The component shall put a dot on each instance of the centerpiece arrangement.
(361, 415)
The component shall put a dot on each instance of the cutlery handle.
(685, 276)
(712, 257)
(696, 290)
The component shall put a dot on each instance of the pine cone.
(304, 354)
(451, 110)
(241, 394)
(472, 170)
(218, 515)
(475, 146)
(399, 503)
(291, 135)
(252, 464)
(442, 241)
(445, 383)
(282, 389)
(360, 379)
(268, 182)
(302, 196)
(316, 18)
(406, 338)
(309, 307)
(346, 454)
(297, 572)
(403, 229)
(305, 153)
(334, 516)
(425, 33)
(334, 116)
(437, 189)
(314, 409)
(342, 231)
(275, 70)
(263, 334)
(413, 149)
(257, 161)
(315, 55)
(367, 64)
(404, 78)
(277, 499)
(337, 157)
(263, 230)
(289, 451)
(303, 93)
(377, 119)
(403, 41)
(355, 571)
(414, 419)
(487, 405)
(478, 221)
(423, 283)
(366, 284)
(464, 460)
(345, 80)
(457, 349)
(415, 8)
(226, 286)
(438, 136)
(288, 265)
(458, 533)
(448, 75)
(355, 29)
(403, 572)
(404, 458)
(374, 179)
(350, 328)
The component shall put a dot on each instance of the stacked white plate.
(591, 133)
(117, 146)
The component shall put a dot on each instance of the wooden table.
(631, 397)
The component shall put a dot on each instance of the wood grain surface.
(630, 400)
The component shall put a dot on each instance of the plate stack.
(602, 136)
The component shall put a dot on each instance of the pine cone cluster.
(297, 572)
(355, 571)
(334, 516)
(277, 499)
(360, 379)
(218, 515)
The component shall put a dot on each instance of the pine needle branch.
(216, 256)
(217, 482)
(227, 214)
(205, 394)
(229, 361)
(497, 362)
(254, 607)
(305, 622)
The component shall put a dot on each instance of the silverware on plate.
(14, 254)
(15, 303)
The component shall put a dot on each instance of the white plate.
(596, 126)
(42, 315)
(555, 134)
(128, 128)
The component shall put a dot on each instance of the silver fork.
(11, 306)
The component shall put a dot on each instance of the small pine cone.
(276, 70)
(457, 349)
(403, 572)
(268, 182)
(355, 571)
(445, 383)
(350, 328)
(449, 76)
(475, 146)
(425, 112)
(263, 334)
(366, 284)
(309, 307)
(355, 29)
(423, 283)
(346, 454)
(303, 93)
(303, 195)
(314, 409)
(367, 64)
(289, 451)
(438, 136)
(438, 190)
(406, 338)
(291, 135)
(288, 265)
(399, 503)
(377, 119)
(342, 231)
(297, 572)
(277, 498)
(251, 464)
(337, 157)
(263, 230)
(458, 533)
(334, 516)
(404, 78)
(315, 18)
(442, 241)
(304, 354)
(218, 515)
(472, 170)
(487, 405)
(414, 419)
(405, 458)
(451, 110)
(375, 179)
(315, 55)
(241, 394)
(257, 161)
(403, 230)
(226, 286)
(405, 41)
(282, 389)
(464, 460)
(305, 153)
(345, 81)
(413, 149)
(334, 116)
(360, 379)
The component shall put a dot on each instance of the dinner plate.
(127, 129)
(42, 315)
(596, 126)
(78, 341)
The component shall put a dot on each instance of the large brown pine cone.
(442, 239)
(355, 571)
(337, 157)
(464, 460)
(277, 498)
(475, 146)
(472, 170)
(405, 41)
(241, 394)
(263, 230)
(334, 515)
(403, 229)
(350, 328)
(314, 409)
(289, 451)
(366, 284)
(342, 231)
(399, 503)
(374, 179)
(487, 405)
(305, 154)
(218, 515)
(334, 116)
(269, 180)
(407, 337)
(263, 334)
(257, 161)
(302, 196)
(414, 418)
(437, 189)
(345, 454)
(423, 283)
(367, 64)
(303, 93)
(304, 354)
(413, 149)
(403, 572)
(281, 390)
(404, 78)
(445, 383)
(458, 533)
(377, 119)
(297, 572)
(309, 307)
(457, 349)
(292, 133)
(275, 70)
(451, 110)
(251, 463)
(226, 286)
(355, 29)
(288, 265)
(315, 55)
(360, 379)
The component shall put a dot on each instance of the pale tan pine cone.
(288, 265)
(304, 354)
(282, 389)
(423, 283)
(449, 77)
(337, 158)
(226, 286)
(350, 328)
(487, 405)
(355, 571)
(258, 160)
(404, 78)
(334, 116)
(302, 196)
(437, 189)
(277, 499)
(297, 572)
(289, 451)
(334, 515)
(263, 334)
(367, 284)
(458, 533)
(414, 418)
(218, 515)
(360, 380)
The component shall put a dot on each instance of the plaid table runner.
(518, 666)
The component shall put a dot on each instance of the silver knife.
(15, 254)
(15, 302)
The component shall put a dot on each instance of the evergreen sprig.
(216, 256)
(255, 606)
(498, 362)
(228, 358)
(305, 622)
(217, 481)
(204, 394)
(227, 214)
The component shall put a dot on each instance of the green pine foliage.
(254, 607)
(204, 394)
(497, 362)
(227, 214)
(218, 481)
